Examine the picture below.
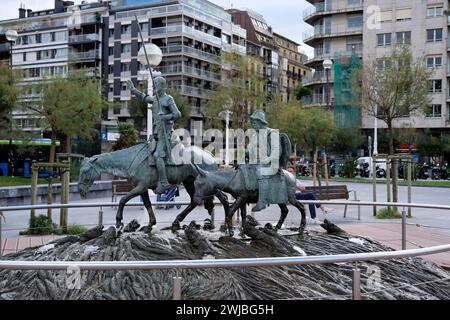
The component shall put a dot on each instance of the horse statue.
(133, 164)
(234, 183)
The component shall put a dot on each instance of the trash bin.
(3, 169)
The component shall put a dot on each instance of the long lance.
(157, 96)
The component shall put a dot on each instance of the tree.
(128, 136)
(301, 92)
(434, 146)
(241, 89)
(312, 129)
(9, 93)
(345, 139)
(69, 106)
(392, 88)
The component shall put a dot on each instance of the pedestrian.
(302, 195)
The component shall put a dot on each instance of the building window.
(126, 48)
(435, 86)
(434, 35)
(403, 14)
(125, 29)
(24, 57)
(111, 51)
(354, 20)
(384, 39)
(448, 112)
(125, 67)
(435, 11)
(383, 64)
(144, 26)
(116, 110)
(435, 111)
(386, 16)
(434, 62)
(404, 37)
(111, 33)
(354, 1)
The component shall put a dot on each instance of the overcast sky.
(285, 16)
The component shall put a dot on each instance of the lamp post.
(327, 64)
(11, 37)
(375, 127)
(150, 55)
(226, 114)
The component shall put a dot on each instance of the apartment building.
(260, 43)
(337, 28)
(291, 66)
(192, 34)
(370, 29)
(424, 25)
(50, 43)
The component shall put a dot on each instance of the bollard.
(177, 287)
(100, 217)
(403, 229)
(356, 283)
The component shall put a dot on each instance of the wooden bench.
(339, 192)
(120, 188)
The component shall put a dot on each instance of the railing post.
(374, 181)
(403, 229)
(388, 180)
(409, 186)
(34, 181)
(356, 283)
(177, 286)
(100, 217)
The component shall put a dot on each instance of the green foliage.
(75, 229)
(241, 90)
(433, 145)
(40, 225)
(138, 113)
(9, 93)
(182, 103)
(70, 106)
(385, 213)
(346, 139)
(349, 167)
(128, 136)
(301, 92)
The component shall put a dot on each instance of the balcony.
(180, 28)
(317, 77)
(84, 38)
(196, 53)
(87, 55)
(320, 9)
(320, 32)
(315, 99)
(194, 91)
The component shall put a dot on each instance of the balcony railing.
(192, 51)
(318, 76)
(329, 7)
(323, 31)
(186, 69)
(84, 38)
(315, 99)
(180, 28)
(194, 91)
(92, 54)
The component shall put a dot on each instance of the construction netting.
(346, 112)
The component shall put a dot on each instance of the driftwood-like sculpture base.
(396, 279)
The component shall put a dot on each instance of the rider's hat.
(260, 116)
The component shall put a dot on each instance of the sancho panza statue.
(269, 156)
(165, 112)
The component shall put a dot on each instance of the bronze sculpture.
(165, 112)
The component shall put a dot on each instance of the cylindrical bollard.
(177, 287)
(356, 283)
(100, 217)
(403, 229)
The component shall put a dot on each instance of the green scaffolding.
(346, 113)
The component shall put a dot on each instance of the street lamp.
(226, 114)
(327, 64)
(11, 37)
(375, 127)
(150, 55)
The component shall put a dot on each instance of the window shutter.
(386, 15)
(403, 14)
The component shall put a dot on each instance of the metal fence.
(178, 265)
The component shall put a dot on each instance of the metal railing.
(178, 265)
